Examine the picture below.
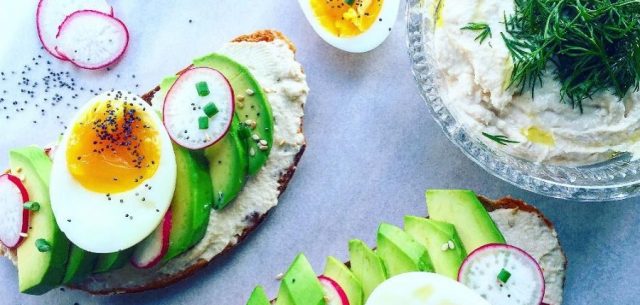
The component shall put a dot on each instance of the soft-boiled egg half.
(113, 175)
(423, 288)
(352, 25)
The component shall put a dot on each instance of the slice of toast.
(240, 216)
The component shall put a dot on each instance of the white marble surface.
(372, 151)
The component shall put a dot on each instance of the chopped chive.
(43, 245)
(504, 276)
(203, 88)
(32, 206)
(349, 2)
(203, 122)
(210, 109)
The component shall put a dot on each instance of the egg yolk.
(345, 20)
(113, 147)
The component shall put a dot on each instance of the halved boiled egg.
(113, 175)
(423, 288)
(352, 25)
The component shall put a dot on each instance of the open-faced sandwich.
(141, 192)
(470, 250)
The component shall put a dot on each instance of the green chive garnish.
(349, 2)
(504, 276)
(43, 245)
(203, 122)
(203, 88)
(32, 206)
(210, 109)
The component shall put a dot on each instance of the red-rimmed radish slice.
(152, 249)
(91, 39)
(51, 13)
(333, 293)
(187, 103)
(14, 218)
(503, 275)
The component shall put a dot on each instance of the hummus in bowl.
(534, 141)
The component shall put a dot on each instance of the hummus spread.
(475, 78)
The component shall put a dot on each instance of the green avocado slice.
(442, 242)
(351, 285)
(80, 264)
(367, 266)
(228, 166)
(252, 106)
(191, 203)
(258, 297)
(400, 252)
(465, 212)
(40, 269)
(300, 286)
(112, 261)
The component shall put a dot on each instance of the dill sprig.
(500, 139)
(593, 44)
(483, 28)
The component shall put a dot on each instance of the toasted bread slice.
(229, 227)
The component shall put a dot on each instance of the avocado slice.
(39, 270)
(463, 210)
(80, 264)
(300, 286)
(258, 297)
(251, 105)
(441, 240)
(400, 253)
(367, 266)
(112, 261)
(191, 204)
(228, 166)
(352, 287)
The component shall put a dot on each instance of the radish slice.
(152, 249)
(185, 106)
(51, 13)
(503, 275)
(14, 218)
(91, 39)
(333, 293)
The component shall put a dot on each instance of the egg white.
(423, 288)
(368, 40)
(93, 222)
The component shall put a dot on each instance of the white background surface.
(372, 151)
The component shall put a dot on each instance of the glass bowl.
(615, 179)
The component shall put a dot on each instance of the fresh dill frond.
(500, 139)
(594, 46)
(483, 28)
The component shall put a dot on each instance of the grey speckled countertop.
(372, 151)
